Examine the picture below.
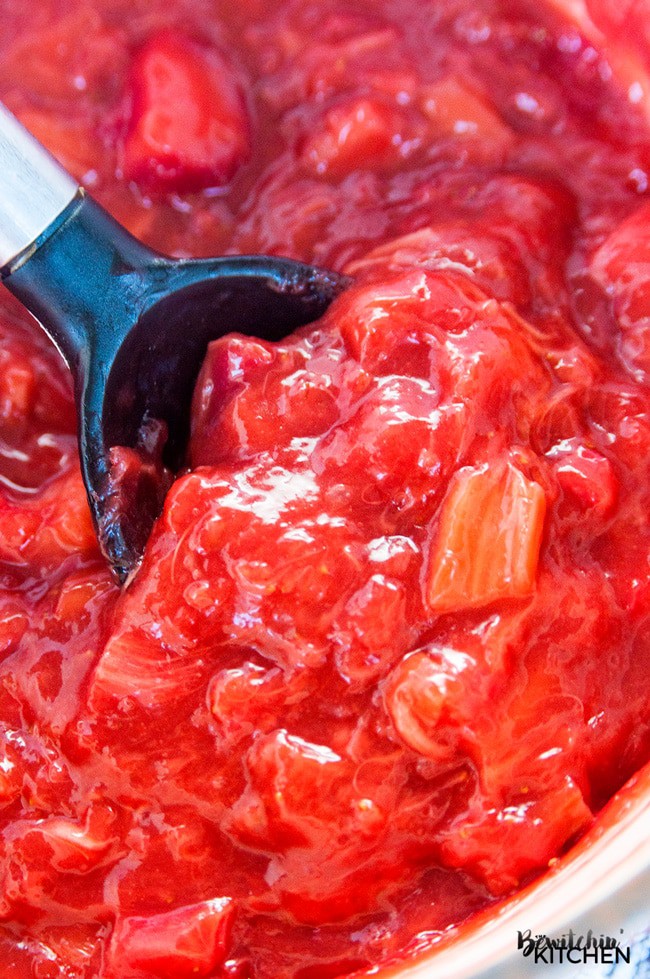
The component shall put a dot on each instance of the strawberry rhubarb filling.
(386, 656)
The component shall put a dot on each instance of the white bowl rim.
(609, 858)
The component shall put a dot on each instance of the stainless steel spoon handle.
(35, 189)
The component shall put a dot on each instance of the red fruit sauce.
(386, 654)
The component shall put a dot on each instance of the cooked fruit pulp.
(386, 656)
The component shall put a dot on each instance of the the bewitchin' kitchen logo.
(573, 948)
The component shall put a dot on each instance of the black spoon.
(132, 325)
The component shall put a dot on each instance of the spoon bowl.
(133, 326)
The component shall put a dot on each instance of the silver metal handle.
(34, 188)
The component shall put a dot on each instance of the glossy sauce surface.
(386, 655)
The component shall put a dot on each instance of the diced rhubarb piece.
(454, 109)
(488, 538)
(67, 139)
(187, 943)
(368, 132)
(17, 390)
(189, 126)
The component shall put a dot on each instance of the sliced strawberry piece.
(371, 632)
(502, 846)
(367, 132)
(49, 526)
(622, 267)
(587, 478)
(491, 262)
(297, 792)
(187, 943)
(250, 698)
(488, 538)
(189, 126)
(428, 697)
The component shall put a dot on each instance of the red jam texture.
(386, 655)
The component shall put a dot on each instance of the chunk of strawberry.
(428, 697)
(11, 771)
(297, 793)
(610, 16)
(622, 267)
(300, 797)
(71, 846)
(456, 111)
(250, 697)
(253, 396)
(511, 258)
(628, 21)
(491, 262)
(368, 132)
(232, 364)
(186, 943)
(142, 667)
(371, 632)
(502, 846)
(396, 445)
(14, 622)
(49, 526)
(587, 478)
(188, 127)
